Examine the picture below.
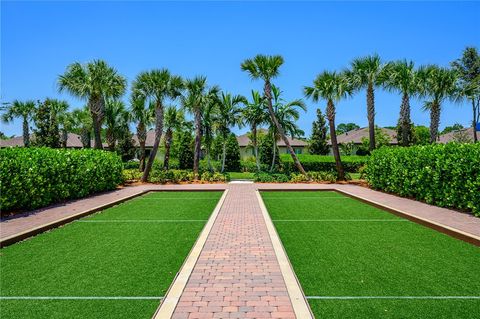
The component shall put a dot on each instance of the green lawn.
(241, 175)
(130, 250)
(341, 247)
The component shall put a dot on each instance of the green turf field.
(340, 247)
(129, 251)
(242, 175)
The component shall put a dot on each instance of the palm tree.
(143, 116)
(82, 124)
(156, 86)
(436, 84)
(115, 118)
(254, 115)
(401, 76)
(332, 87)
(64, 118)
(229, 114)
(197, 97)
(366, 73)
(287, 115)
(95, 82)
(209, 124)
(24, 110)
(266, 68)
(174, 121)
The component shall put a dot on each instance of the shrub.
(263, 177)
(36, 177)
(131, 165)
(444, 175)
(315, 163)
(176, 176)
(132, 174)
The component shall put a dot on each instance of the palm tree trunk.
(156, 143)
(26, 133)
(268, 95)
(405, 121)
(224, 153)
(110, 134)
(274, 152)
(168, 144)
(434, 121)
(371, 115)
(333, 137)
(198, 142)
(97, 108)
(85, 137)
(255, 146)
(64, 138)
(142, 137)
(475, 137)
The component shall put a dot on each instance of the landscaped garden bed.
(114, 264)
(357, 261)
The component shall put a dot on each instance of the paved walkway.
(237, 274)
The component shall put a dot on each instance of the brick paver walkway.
(237, 274)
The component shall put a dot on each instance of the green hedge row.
(36, 177)
(443, 175)
(315, 163)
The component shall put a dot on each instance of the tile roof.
(453, 136)
(357, 135)
(73, 141)
(244, 140)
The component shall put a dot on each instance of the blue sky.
(39, 39)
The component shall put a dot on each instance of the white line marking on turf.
(142, 221)
(340, 220)
(80, 298)
(309, 197)
(178, 198)
(391, 297)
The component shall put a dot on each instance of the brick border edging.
(169, 302)
(7, 241)
(300, 304)
(447, 230)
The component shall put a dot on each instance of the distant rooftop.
(357, 135)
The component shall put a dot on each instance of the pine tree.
(46, 132)
(232, 154)
(318, 142)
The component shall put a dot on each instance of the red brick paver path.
(237, 274)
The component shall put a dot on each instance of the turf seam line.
(81, 297)
(389, 297)
(340, 220)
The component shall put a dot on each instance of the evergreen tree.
(232, 154)
(185, 151)
(318, 142)
(46, 132)
(265, 149)
(125, 145)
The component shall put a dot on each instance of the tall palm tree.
(436, 84)
(156, 86)
(254, 115)
(115, 118)
(266, 68)
(25, 111)
(143, 116)
(401, 76)
(82, 124)
(366, 73)
(332, 87)
(95, 82)
(229, 114)
(287, 114)
(174, 121)
(209, 125)
(197, 96)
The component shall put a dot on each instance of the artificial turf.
(339, 246)
(132, 249)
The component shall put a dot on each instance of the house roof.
(244, 141)
(73, 141)
(149, 141)
(357, 135)
(453, 136)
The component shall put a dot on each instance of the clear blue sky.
(39, 39)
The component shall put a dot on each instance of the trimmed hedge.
(315, 163)
(36, 177)
(443, 175)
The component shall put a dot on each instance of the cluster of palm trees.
(431, 83)
(155, 93)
